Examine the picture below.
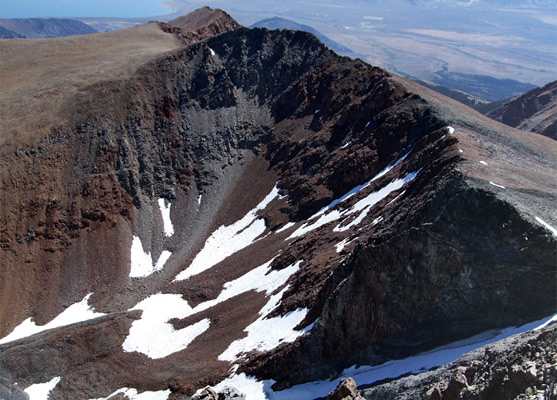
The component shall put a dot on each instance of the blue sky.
(80, 8)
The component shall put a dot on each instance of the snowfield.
(167, 222)
(142, 263)
(153, 335)
(41, 391)
(227, 240)
(77, 312)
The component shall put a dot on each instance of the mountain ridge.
(293, 177)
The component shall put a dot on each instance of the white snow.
(339, 246)
(547, 226)
(368, 122)
(346, 145)
(259, 279)
(497, 185)
(41, 391)
(167, 222)
(227, 240)
(325, 218)
(549, 321)
(316, 111)
(153, 336)
(77, 312)
(252, 388)
(199, 199)
(132, 394)
(364, 205)
(450, 129)
(142, 262)
(267, 333)
(365, 375)
(460, 150)
(483, 163)
(285, 227)
(212, 51)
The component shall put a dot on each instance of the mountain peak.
(205, 21)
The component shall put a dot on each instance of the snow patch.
(251, 387)
(341, 245)
(346, 145)
(259, 279)
(77, 312)
(368, 122)
(364, 206)
(450, 129)
(153, 336)
(549, 321)
(199, 199)
(167, 222)
(41, 391)
(142, 262)
(227, 240)
(133, 395)
(483, 163)
(285, 227)
(547, 226)
(267, 333)
(497, 185)
(324, 218)
(212, 52)
(316, 111)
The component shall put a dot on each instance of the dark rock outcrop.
(346, 390)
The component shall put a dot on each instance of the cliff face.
(534, 111)
(256, 174)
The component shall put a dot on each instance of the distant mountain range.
(37, 28)
(282, 23)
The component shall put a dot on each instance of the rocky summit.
(200, 204)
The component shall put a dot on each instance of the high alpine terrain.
(534, 111)
(197, 203)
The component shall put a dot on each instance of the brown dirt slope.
(39, 77)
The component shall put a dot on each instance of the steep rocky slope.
(534, 111)
(251, 203)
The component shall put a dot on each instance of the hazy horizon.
(81, 8)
